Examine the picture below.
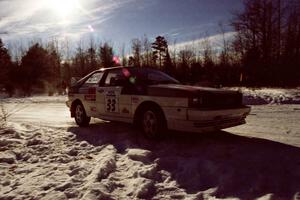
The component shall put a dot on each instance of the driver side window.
(93, 79)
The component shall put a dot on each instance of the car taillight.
(92, 90)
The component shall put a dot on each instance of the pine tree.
(35, 69)
(160, 48)
(106, 55)
(5, 62)
(54, 75)
(91, 57)
(168, 65)
(5, 68)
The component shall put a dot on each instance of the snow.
(7, 157)
(139, 155)
(260, 96)
(35, 99)
(252, 96)
(44, 155)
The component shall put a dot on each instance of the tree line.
(264, 51)
(268, 41)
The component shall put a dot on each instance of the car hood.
(178, 90)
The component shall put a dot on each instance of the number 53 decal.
(112, 104)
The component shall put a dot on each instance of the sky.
(115, 21)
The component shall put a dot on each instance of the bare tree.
(173, 53)
(123, 54)
(79, 60)
(266, 38)
(224, 56)
(136, 46)
(184, 66)
(146, 51)
(92, 56)
(207, 53)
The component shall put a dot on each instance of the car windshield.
(151, 76)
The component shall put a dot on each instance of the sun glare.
(62, 8)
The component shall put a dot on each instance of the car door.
(112, 105)
(88, 92)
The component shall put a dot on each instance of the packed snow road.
(46, 156)
(279, 123)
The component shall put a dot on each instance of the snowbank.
(252, 96)
(35, 99)
(260, 96)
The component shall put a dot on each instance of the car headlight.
(195, 101)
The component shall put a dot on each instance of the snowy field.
(44, 155)
(271, 96)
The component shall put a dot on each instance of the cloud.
(109, 5)
(16, 10)
(29, 18)
(216, 42)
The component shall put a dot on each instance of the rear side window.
(155, 77)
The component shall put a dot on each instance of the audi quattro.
(153, 101)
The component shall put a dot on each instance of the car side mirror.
(74, 80)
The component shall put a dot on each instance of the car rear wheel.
(152, 123)
(80, 116)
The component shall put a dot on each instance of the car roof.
(103, 70)
(119, 67)
(110, 68)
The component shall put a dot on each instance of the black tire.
(80, 116)
(152, 123)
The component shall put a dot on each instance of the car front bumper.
(210, 120)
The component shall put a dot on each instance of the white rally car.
(154, 101)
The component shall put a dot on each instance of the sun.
(63, 8)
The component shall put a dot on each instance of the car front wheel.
(152, 123)
(80, 116)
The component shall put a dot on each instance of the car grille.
(231, 100)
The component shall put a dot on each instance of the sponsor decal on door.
(111, 102)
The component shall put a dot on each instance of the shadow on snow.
(237, 166)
